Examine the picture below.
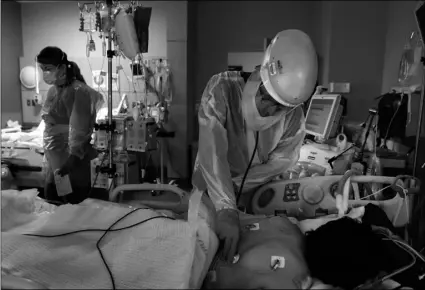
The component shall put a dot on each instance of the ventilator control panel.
(300, 198)
(291, 192)
(311, 197)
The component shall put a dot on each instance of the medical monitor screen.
(318, 115)
(420, 18)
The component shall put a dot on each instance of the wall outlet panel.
(341, 88)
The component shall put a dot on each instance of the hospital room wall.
(355, 53)
(349, 37)
(11, 50)
(401, 22)
(239, 26)
(357, 41)
(57, 23)
(366, 44)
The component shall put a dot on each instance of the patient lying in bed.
(272, 255)
(271, 251)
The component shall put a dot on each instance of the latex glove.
(68, 166)
(228, 231)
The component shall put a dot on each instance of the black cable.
(332, 159)
(247, 169)
(110, 229)
(369, 126)
(384, 144)
(54, 202)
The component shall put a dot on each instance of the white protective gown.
(227, 140)
(69, 114)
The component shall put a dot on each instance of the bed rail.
(155, 204)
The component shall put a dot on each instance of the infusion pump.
(123, 175)
(129, 135)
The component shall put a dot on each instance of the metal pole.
(110, 104)
(419, 126)
(161, 163)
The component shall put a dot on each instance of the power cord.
(110, 229)
(381, 278)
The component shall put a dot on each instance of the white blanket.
(157, 254)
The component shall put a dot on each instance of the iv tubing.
(419, 126)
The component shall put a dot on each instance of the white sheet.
(154, 255)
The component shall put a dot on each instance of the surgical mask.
(254, 120)
(50, 77)
(266, 105)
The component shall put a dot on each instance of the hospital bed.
(23, 153)
(199, 215)
(166, 261)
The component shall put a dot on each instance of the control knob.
(312, 194)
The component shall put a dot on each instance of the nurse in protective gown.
(69, 113)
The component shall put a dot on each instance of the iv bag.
(167, 87)
(126, 35)
(89, 22)
(105, 21)
(410, 60)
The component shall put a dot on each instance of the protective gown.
(69, 113)
(226, 142)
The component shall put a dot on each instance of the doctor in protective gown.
(259, 115)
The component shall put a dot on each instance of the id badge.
(63, 184)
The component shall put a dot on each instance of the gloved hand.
(68, 166)
(228, 231)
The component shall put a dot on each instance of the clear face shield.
(289, 69)
(286, 77)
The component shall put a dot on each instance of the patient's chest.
(263, 242)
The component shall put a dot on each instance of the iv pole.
(110, 54)
(110, 126)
